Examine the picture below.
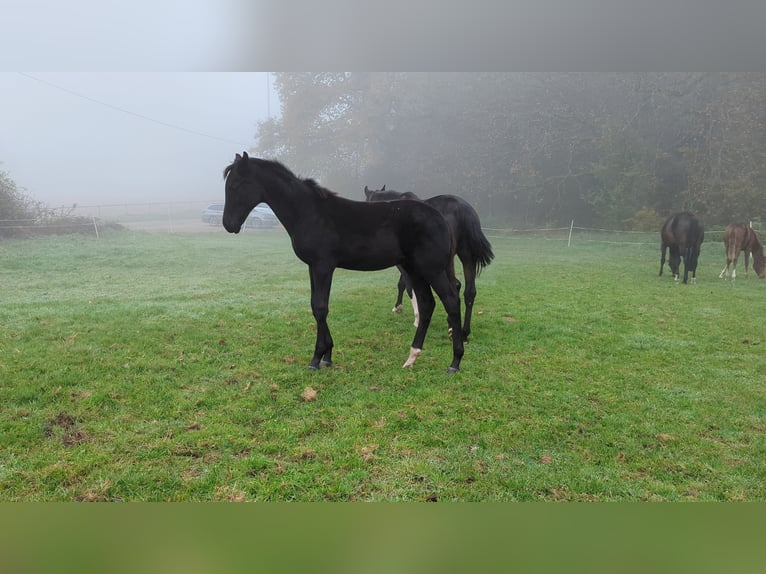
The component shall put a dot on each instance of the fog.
(105, 138)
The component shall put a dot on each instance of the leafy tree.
(530, 149)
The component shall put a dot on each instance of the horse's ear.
(243, 166)
(237, 157)
(367, 192)
(383, 188)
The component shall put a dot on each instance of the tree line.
(529, 149)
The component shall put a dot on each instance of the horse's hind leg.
(674, 261)
(663, 249)
(734, 260)
(446, 291)
(722, 275)
(422, 293)
(469, 295)
(690, 263)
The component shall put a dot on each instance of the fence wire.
(186, 217)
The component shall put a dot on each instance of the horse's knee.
(320, 311)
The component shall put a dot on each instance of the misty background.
(613, 150)
(618, 150)
(102, 138)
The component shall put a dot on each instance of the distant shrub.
(21, 216)
(646, 219)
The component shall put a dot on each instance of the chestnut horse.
(740, 237)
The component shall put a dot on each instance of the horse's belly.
(367, 263)
(369, 255)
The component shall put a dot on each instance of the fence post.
(571, 226)
(95, 227)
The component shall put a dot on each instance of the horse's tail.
(730, 243)
(477, 242)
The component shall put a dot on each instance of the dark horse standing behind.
(470, 244)
(740, 237)
(328, 231)
(683, 234)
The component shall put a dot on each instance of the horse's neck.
(292, 203)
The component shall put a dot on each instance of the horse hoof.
(397, 309)
(313, 368)
(453, 370)
(414, 354)
(325, 364)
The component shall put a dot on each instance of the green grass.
(172, 367)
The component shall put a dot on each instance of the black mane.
(322, 192)
(283, 172)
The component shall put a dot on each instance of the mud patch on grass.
(65, 427)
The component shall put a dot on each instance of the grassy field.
(173, 368)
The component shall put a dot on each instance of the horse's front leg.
(747, 260)
(321, 280)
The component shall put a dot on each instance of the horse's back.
(683, 229)
(741, 236)
(376, 235)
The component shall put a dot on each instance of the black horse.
(683, 234)
(470, 244)
(328, 231)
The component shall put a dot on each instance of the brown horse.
(740, 237)
(683, 234)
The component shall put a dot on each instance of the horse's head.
(759, 267)
(371, 194)
(243, 192)
(383, 195)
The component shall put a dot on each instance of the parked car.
(260, 216)
(213, 214)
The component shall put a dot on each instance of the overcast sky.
(101, 138)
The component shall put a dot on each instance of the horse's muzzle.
(231, 227)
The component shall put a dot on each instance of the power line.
(130, 113)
